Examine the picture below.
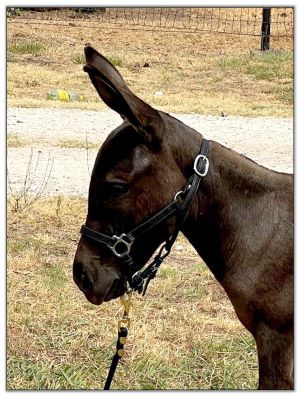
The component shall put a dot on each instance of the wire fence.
(237, 21)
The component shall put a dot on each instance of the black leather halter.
(121, 245)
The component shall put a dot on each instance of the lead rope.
(123, 326)
(124, 322)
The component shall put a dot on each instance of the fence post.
(265, 29)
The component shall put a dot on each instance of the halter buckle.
(126, 246)
(201, 156)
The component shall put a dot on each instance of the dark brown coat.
(241, 222)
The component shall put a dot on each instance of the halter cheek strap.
(121, 245)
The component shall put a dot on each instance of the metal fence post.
(265, 29)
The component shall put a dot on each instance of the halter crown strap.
(201, 165)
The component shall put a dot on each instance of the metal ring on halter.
(182, 192)
(126, 246)
(177, 195)
(201, 156)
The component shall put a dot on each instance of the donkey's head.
(136, 173)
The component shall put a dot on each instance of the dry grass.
(195, 72)
(184, 333)
(76, 144)
(15, 141)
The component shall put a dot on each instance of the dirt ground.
(48, 134)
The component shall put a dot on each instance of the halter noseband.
(121, 245)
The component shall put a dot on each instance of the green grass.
(25, 47)
(263, 66)
(52, 276)
(18, 246)
(215, 363)
(230, 351)
(115, 60)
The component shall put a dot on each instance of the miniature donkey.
(240, 222)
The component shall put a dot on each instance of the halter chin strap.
(121, 245)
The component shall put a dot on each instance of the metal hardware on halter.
(124, 322)
(178, 194)
(121, 245)
(201, 156)
(126, 303)
(120, 240)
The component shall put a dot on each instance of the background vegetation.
(201, 72)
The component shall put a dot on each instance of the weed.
(76, 144)
(30, 193)
(79, 59)
(52, 277)
(32, 83)
(167, 272)
(58, 208)
(25, 47)
(16, 247)
(115, 60)
(258, 107)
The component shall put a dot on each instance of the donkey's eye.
(114, 190)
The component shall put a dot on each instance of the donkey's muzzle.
(82, 277)
(98, 284)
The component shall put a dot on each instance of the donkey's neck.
(227, 199)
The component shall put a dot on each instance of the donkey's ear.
(114, 92)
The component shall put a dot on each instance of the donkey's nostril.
(82, 278)
(85, 281)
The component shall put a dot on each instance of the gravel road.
(268, 141)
